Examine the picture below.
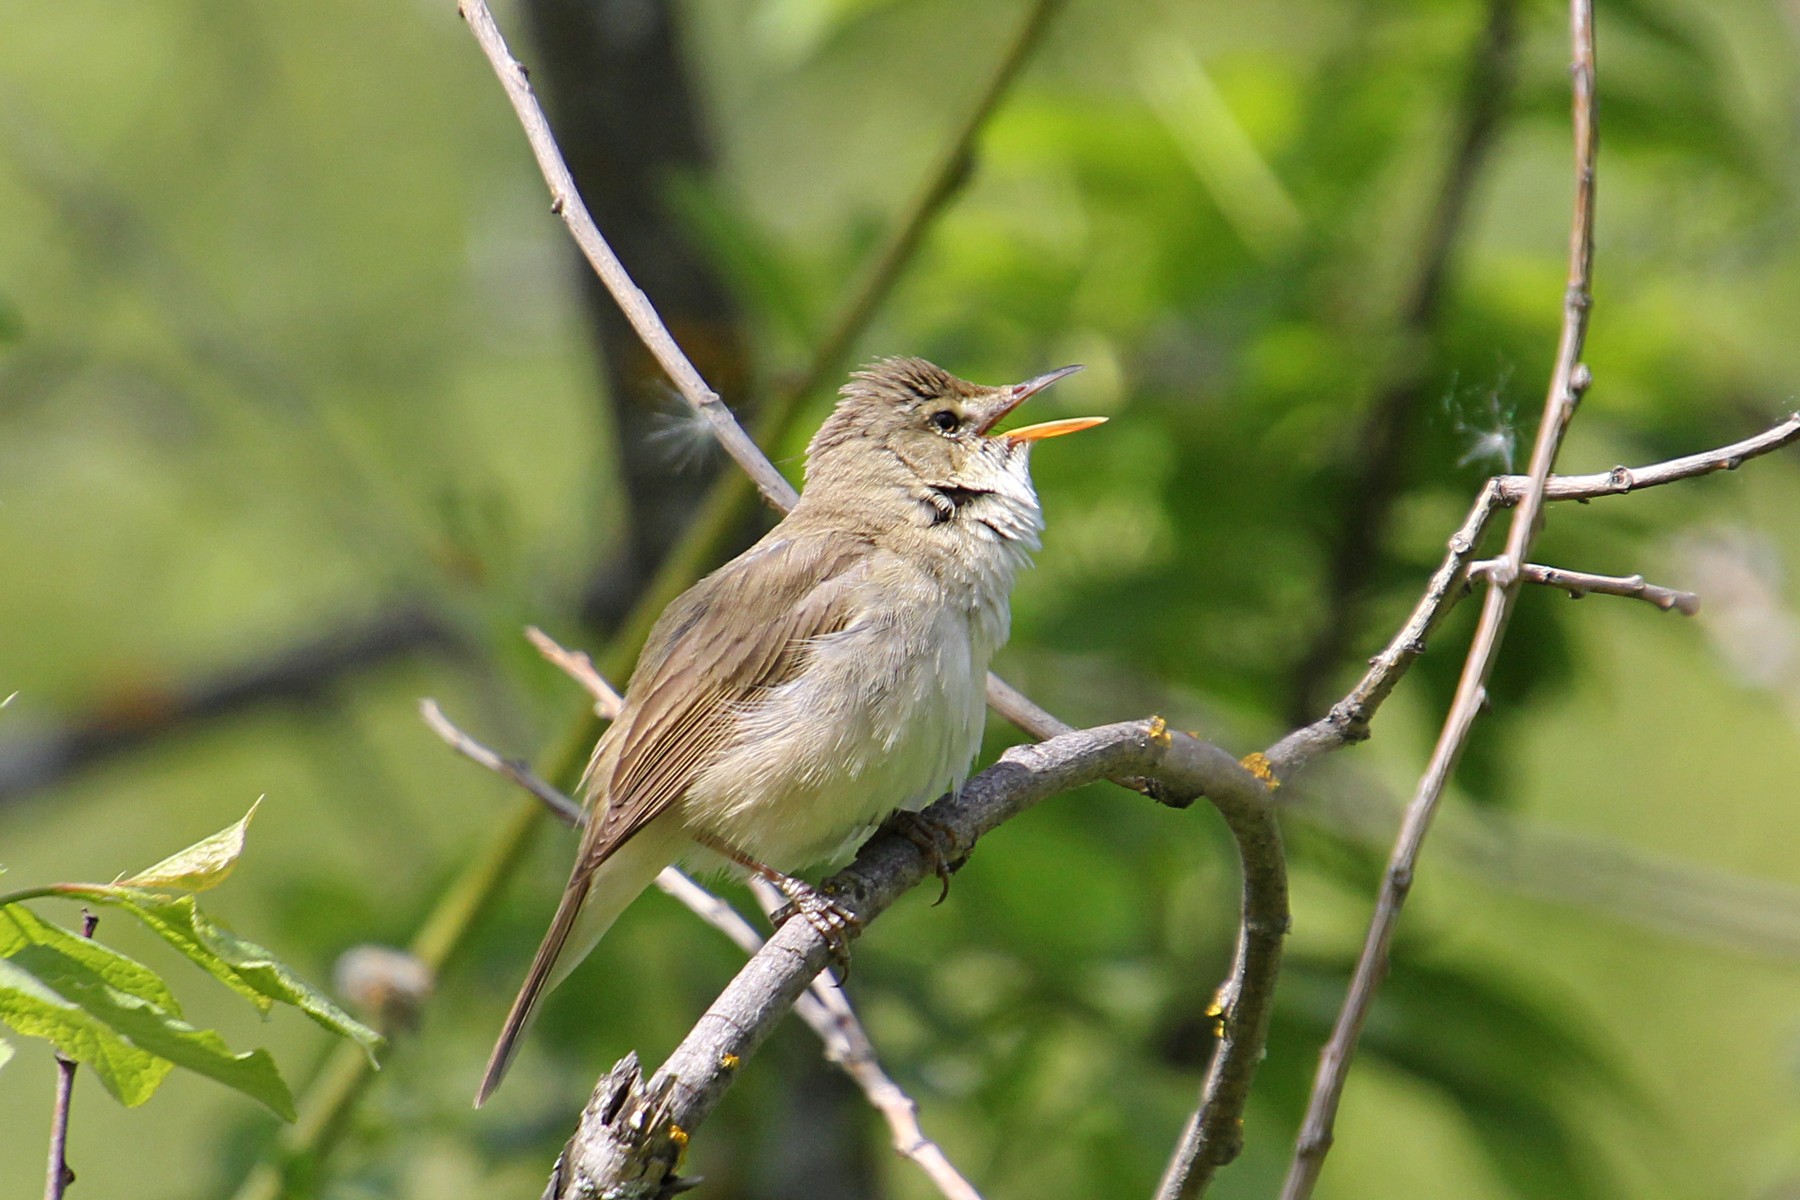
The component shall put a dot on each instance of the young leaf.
(203, 865)
(26, 1004)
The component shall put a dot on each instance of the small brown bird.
(831, 674)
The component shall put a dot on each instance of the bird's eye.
(945, 421)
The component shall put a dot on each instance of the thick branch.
(631, 1132)
(1568, 381)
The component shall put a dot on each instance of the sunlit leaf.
(203, 865)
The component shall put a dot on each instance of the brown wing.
(745, 627)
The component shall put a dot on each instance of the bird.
(829, 676)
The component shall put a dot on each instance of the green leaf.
(21, 928)
(203, 865)
(245, 967)
(26, 1004)
(157, 1031)
(133, 1001)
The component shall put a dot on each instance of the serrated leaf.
(33, 1009)
(244, 966)
(155, 1030)
(203, 865)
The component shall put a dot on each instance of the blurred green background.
(301, 419)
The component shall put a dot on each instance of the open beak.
(1010, 398)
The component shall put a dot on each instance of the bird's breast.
(886, 713)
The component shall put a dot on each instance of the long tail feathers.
(593, 901)
(537, 981)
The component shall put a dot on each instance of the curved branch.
(632, 1130)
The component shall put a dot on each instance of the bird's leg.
(935, 840)
(831, 920)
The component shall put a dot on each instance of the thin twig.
(823, 1007)
(1348, 720)
(579, 667)
(826, 1009)
(1582, 583)
(1567, 383)
(58, 1176)
(565, 809)
(566, 202)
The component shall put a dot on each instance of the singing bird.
(833, 673)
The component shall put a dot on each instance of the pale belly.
(887, 715)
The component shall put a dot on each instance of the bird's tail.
(592, 902)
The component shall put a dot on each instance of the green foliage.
(112, 1013)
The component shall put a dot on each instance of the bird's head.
(901, 417)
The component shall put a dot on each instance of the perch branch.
(1568, 381)
(631, 1131)
(823, 1006)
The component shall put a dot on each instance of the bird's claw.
(829, 919)
(934, 839)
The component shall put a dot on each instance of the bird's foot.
(831, 920)
(935, 840)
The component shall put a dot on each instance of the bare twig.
(566, 202)
(1348, 720)
(1568, 381)
(1620, 480)
(565, 809)
(579, 667)
(1582, 583)
(58, 1176)
(633, 1128)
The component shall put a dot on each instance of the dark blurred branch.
(1568, 381)
(1377, 471)
(141, 713)
(626, 110)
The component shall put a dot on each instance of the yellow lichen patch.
(678, 1135)
(1159, 732)
(1257, 763)
(729, 1062)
